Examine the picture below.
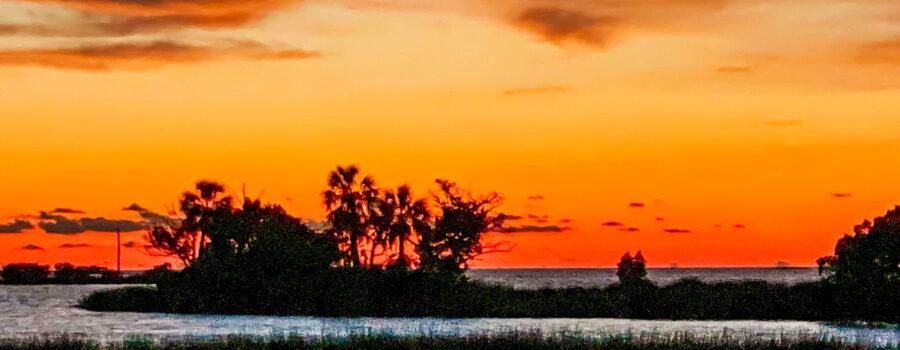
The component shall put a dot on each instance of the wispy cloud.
(144, 56)
(31, 247)
(72, 245)
(510, 217)
(151, 217)
(531, 228)
(67, 211)
(676, 230)
(59, 224)
(734, 68)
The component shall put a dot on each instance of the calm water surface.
(563, 278)
(28, 311)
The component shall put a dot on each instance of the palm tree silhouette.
(348, 202)
(410, 216)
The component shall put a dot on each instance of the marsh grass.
(514, 340)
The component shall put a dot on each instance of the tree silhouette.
(632, 269)
(187, 240)
(68, 273)
(25, 273)
(411, 217)
(349, 202)
(456, 237)
(870, 258)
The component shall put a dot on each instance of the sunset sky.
(703, 132)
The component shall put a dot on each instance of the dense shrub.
(384, 293)
(137, 299)
(25, 273)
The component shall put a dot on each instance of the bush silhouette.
(632, 269)
(25, 273)
(865, 267)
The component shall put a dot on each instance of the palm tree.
(410, 216)
(199, 207)
(187, 238)
(348, 202)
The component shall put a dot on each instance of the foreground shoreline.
(516, 340)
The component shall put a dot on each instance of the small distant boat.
(782, 265)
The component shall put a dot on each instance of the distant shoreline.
(650, 268)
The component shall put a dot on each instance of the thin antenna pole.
(118, 250)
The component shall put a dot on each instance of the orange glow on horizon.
(737, 122)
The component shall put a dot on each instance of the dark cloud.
(510, 217)
(145, 56)
(841, 195)
(676, 230)
(538, 217)
(660, 219)
(78, 245)
(740, 226)
(60, 224)
(153, 218)
(636, 205)
(601, 23)
(157, 8)
(67, 211)
(115, 26)
(530, 228)
(536, 198)
(109, 225)
(630, 229)
(559, 25)
(133, 17)
(536, 90)
(612, 223)
(31, 247)
(16, 226)
(564, 221)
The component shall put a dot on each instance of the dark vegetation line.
(524, 341)
(386, 252)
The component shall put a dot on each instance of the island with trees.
(390, 253)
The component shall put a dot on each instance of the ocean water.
(49, 310)
(565, 278)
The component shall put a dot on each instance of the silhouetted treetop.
(870, 257)
(632, 269)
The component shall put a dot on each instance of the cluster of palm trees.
(186, 239)
(372, 227)
(392, 228)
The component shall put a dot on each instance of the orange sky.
(713, 113)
